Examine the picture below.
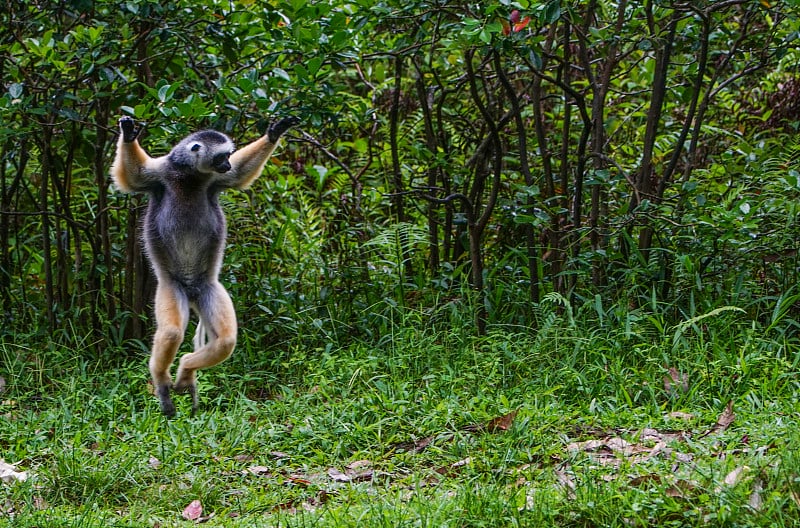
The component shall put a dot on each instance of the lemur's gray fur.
(184, 235)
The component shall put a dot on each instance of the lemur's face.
(221, 163)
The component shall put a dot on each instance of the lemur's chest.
(186, 227)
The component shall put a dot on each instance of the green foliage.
(399, 103)
(407, 419)
(621, 177)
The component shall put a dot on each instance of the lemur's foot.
(167, 407)
(191, 388)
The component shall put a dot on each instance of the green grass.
(402, 431)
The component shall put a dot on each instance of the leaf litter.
(612, 449)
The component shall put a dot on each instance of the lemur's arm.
(133, 169)
(247, 163)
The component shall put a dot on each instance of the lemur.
(184, 238)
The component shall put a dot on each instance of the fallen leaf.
(501, 423)
(414, 446)
(620, 445)
(243, 458)
(359, 464)
(447, 470)
(9, 473)
(2, 384)
(795, 497)
(724, 421)
(676, 381)
(193, 511)
(461, 463)
(284, 506)
(338, 476)
(679, 415)
(261, 471)
(586, 445)
(567, 483)
(299, 480)
(681, 489)
(154, 462)
(735, 476)
(755, 500)
(639, 481)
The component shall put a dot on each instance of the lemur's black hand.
(277, 129)
(128, 127)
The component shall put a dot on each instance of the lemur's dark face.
(220, 163)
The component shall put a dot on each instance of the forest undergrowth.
(586, 421)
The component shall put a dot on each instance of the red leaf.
(193, 511)
(522, 25)
(296, 479)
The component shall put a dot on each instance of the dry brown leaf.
(193, 511)
(613, 450)
(447, 470)
(154, 462)
(724, 421)
(501, 423)
(359, 464)
(755, 501)
(2, 384)
(9, 473)
(354, 472)
(641, 480)
(795, 497)
(735, 476)
(726, 418)
(676, 381)
(679, 415)
(567, 483)
(586, 445)
(338, 476)
(414, 446)
(299, 480)
(681, 489)
(243, 458)
(261, 471)
(285, 506)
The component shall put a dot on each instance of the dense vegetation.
(539, 207)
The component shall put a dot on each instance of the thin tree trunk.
(524, 168)
(646, 175)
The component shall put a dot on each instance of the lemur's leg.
(172, 316)
(218, 321)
